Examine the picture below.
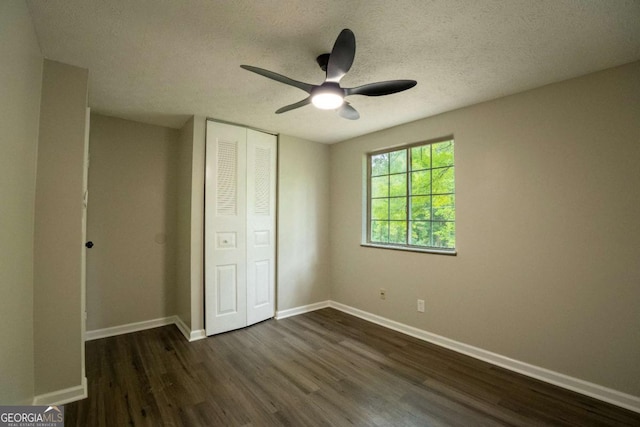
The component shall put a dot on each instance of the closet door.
(240, 222)
(261, 224)
(225, 228)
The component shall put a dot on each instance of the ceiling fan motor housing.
(323, 60)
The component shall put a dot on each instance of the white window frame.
(367, 199)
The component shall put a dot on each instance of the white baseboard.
(128, 328)
(282, 314)
(596, 391)
(147, 324)
(187, 332)
(198, 334)
(62, 397)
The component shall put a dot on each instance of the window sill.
(411, 249)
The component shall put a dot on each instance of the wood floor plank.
(324, 368)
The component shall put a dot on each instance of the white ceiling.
(161, 61)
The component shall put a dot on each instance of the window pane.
(398, 232)
(380, 164)
(442, 153)
(398, 208)
(380, 209)
(380, 231)
(444, 234)
(444, 208)
(421, 208)
(380, 186)
(421, 157)
(421, 183)
(442, 180)
(398, 185)
(420, 233)
(398, 161)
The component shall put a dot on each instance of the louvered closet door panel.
(225, 228)
(261, 224)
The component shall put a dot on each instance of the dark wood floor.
(324, 368)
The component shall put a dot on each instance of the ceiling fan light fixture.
(327, 96)
(327, 101)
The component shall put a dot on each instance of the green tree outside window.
(412, 196)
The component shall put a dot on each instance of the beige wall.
(303, 222)
(190, 274)
(58, 340)
(183, 255)
(197, 224)
(133, 178)
(548, 202)
(20, 84)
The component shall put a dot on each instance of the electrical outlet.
(383, 294)
(421, 305)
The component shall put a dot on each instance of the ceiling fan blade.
(290, 107)
(342, 54)
(279, 78)
(381, 88)
(346, 111)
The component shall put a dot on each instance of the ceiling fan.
(329, 95)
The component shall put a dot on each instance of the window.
(411, 197)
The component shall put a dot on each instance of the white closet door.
(261, 224)
(225, 228)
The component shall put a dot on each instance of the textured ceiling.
(161, 61)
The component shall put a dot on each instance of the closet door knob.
(89, 244)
